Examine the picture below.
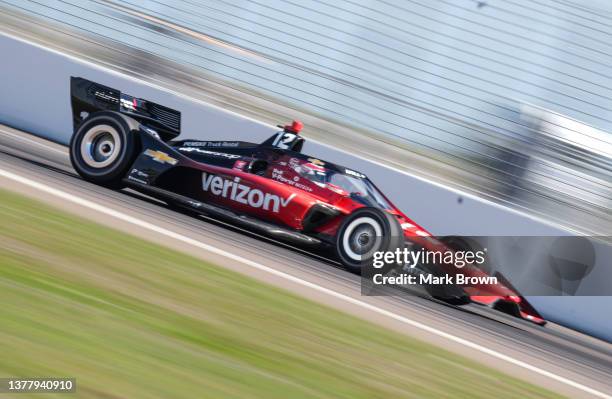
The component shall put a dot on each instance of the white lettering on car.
(278, 175)
(212, 153)
(128, 104)
(243, 194)
(353, 173)
(211, 144)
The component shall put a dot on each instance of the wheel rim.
(100, 146)
(361, 238)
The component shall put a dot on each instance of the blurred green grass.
(130, 319)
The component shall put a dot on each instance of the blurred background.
(509, 100)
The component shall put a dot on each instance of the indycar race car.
(271, 187)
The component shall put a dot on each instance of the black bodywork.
(88, 97)
(172, 179)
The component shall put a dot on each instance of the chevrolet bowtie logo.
(161, 157)
(315, 161)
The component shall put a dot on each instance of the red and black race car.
(272, 187)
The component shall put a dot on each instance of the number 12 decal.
(284, 139)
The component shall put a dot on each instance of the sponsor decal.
(161, 157)
(137, 180)
(315, 161)
(240, 164)
(105, 96)
(243, 194)
(139, 173)
(278, 175)
(127, 104)
(355, 174)
(212, 144)
(284, 140)
(195, 143)
(143, 177)
(211, 153)
(223, 144)
(314, 167)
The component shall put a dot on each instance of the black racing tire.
(449, 293)
(364, 232)
(103, 148)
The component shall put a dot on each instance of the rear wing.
(88, 97)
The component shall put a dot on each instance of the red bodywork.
(287, 189)
(286, 198)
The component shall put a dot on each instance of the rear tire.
(364, 232)
(103, 148)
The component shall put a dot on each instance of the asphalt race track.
(568, 362)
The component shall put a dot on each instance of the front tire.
(365, 232)
(103, 148)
